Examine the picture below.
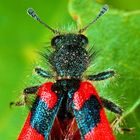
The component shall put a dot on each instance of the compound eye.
(84, 40)
(55, 41)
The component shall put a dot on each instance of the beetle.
(69, 108)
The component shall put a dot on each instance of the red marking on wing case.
(29, 133)
(47, 95)
(83, 94)
(102, 131)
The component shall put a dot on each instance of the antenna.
(31, 12)
(103, 10)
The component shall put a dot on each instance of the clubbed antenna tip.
(103, 10)
(31, 12)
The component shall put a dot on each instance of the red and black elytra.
(69, 108)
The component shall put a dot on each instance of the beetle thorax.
(70, 58)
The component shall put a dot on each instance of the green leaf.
(117, 35)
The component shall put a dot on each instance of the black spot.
(89, 115)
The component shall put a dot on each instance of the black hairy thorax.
(70, 58)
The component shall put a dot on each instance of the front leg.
(101, 76)
(43, 73)
(26, 91)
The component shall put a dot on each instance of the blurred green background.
(20, 37)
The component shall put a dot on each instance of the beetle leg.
(118, 125)
(129, 130)
(111, 106)
(26, 91)
(101, 76)
(43, 73)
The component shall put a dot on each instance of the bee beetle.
(69, 108)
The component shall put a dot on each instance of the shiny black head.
(69, 40)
